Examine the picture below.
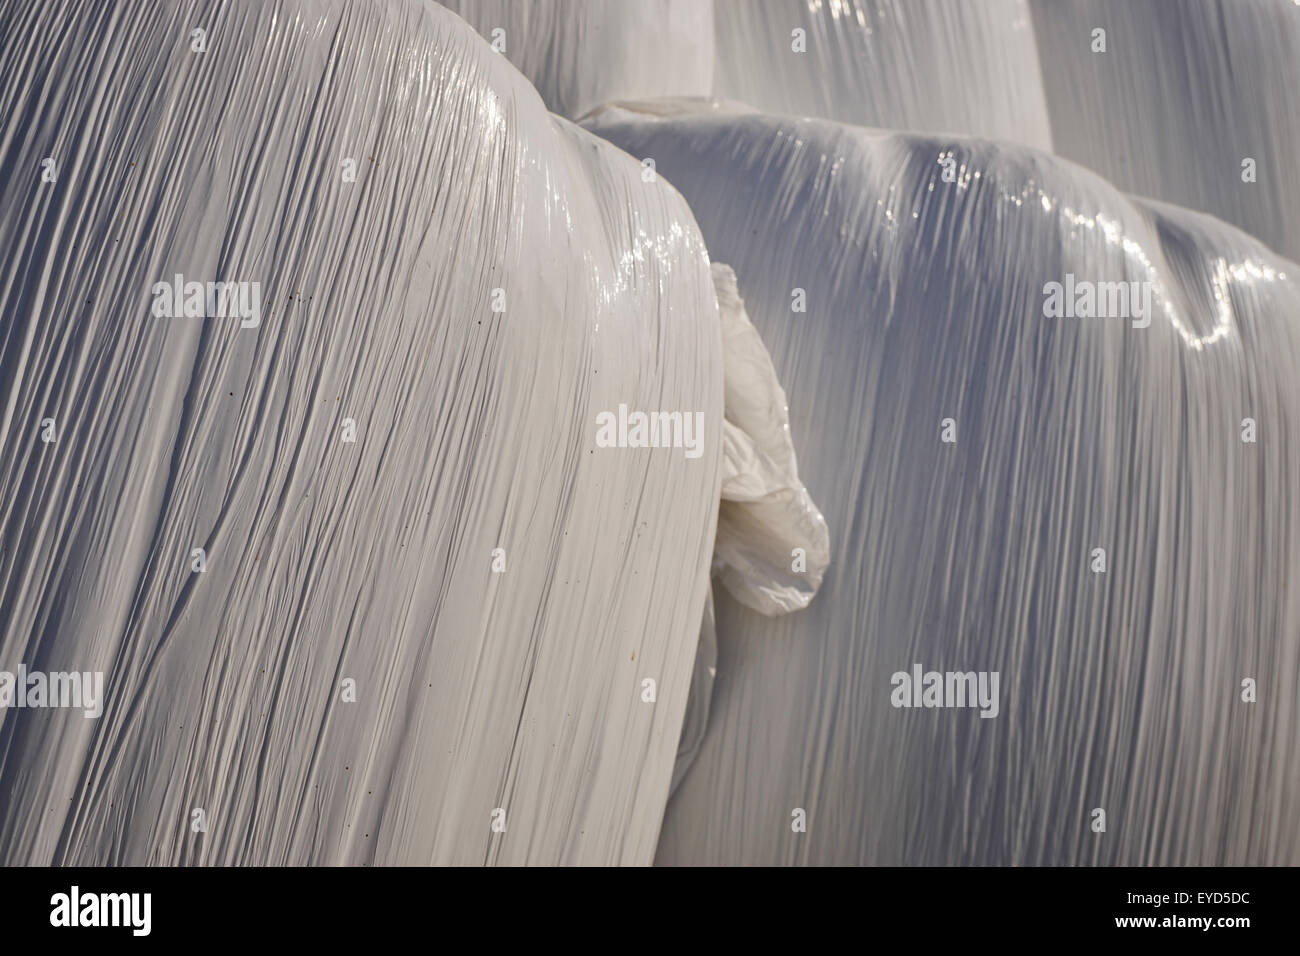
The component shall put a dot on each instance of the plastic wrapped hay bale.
(1051, 430)
(362, 585)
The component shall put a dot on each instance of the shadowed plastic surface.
(1119, 690)
(326, 560)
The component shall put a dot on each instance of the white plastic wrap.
(772, 545)
(496, 587)
(582, 53)
(1120, 689)
(950, 66)
(1183, 95)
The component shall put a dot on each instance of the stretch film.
(361, 582)
(941, 66)
(1099, 512)
(1193, 103)
(582, 53)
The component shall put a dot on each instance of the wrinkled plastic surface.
(772, 544)
(327, 561)
(1119, 690)
(1183, 94)
(581, 54)
(935, 65)
(943, 66)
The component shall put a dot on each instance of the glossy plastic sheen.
(475, 689)
(1121, 689)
